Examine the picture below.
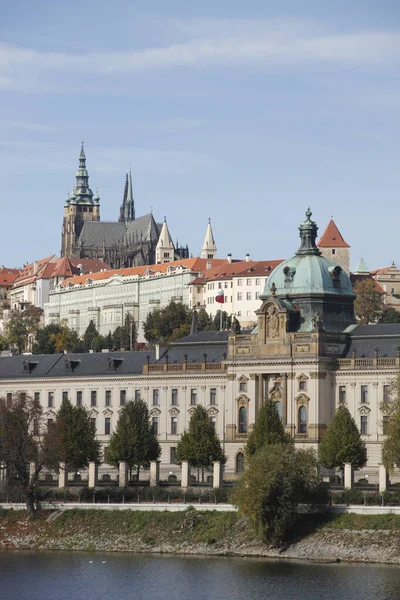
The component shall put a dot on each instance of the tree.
(23, 442)
(342, 442)
(128, 333)
(368, 303)
(21, 326)
(204, 320)
(268, 429)
(4, 345)
(134, 440)
(89, 335)
(390, 315)
(162, 325)
(390, 408)
(200, 444)
(55, 338)
(277, 479)
(72, 438)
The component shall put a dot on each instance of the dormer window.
(29, 366)
(115, 363)
(72, 363)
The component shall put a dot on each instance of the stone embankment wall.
(193, 532)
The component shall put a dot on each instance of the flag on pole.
(220, 297)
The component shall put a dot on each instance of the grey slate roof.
(364, 339)
(213, 343)
(73, 365)
(143, 229)
(97, 233)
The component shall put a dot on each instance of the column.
(62, 476)
(218, 473)
(154, 473)
(123, 474)
(348, 476)
(93, 471)
(185, 474)
(284, 398)
(260, 392)
(383, 479)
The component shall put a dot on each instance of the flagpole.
(220, 319)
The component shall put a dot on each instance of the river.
(82, 576)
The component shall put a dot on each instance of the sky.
(242, 112)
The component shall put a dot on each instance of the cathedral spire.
(82, 190)
(127, 209)
(165, 251)
(209, 249)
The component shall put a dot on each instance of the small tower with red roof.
(333, 246)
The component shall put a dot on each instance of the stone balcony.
(344, 364)
(207, 367)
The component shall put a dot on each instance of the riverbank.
(356, 538)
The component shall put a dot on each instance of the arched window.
(239, 462)
(302, 419)
(242, 419)
(279, 408)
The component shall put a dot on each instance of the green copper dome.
(308, 272)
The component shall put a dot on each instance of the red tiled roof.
(357, 278)
(68, 267)
(332, 238)
(378, 272)
(251, 268)
(194, 264)
(8, 276)
(33, 269)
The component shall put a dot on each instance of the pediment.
(212, 411)
(243, 379)
(107, 412)
(364, 410)
(94, 412)
(174, 411)
(155, 412)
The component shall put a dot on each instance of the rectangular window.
(239, 296)
(333, 251)
(342, 394)
(155, 425)
(302, 385)
(258, 281)
(79, 398)
(193, 396)
(213, 396)
(36, 396)
(386, 393)
(36, 427)
(239, 282)
(257, 295)
(364, 424)
(364, 394)
(9, 399)
(65, 395)
(137, 395)
(385, 424)
(243, 386)
(172, 456)
(108, 398)
(174, 397)
(50, 423)
(122, 397)
(174, 425)
(156, 397)
(248, 282)
(107, 426)
(50, 399)
(93, 422)
(93, 398)
(213, 421)
(248, 296)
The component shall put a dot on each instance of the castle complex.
(128, 242)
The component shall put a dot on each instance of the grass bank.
(359, 538)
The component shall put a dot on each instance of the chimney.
(248, 257)
(35, 266)
(157, 351)
(229, 258)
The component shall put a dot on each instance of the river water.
(82, 576)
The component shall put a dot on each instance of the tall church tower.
(165, 251)
(127, 209)
(209, 249)
(80, 206)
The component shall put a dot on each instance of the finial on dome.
(308, 235)
(308, 213)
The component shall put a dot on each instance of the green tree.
(342, 442)
(22, 442)
(204, 320)
(21, 327)
(4, 345)
(200, 444)
(268, 429)
(99, 343)
(277, 479)
(162, 325)
(72, 438)
(368, 303)
(55, 338)
(390, 408)
(390, 315)
(90, 334)
(134, 440)
(128, 333)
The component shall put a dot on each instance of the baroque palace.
(306, 353)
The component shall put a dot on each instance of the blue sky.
(245, 112)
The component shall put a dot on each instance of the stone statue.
(318, 322)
